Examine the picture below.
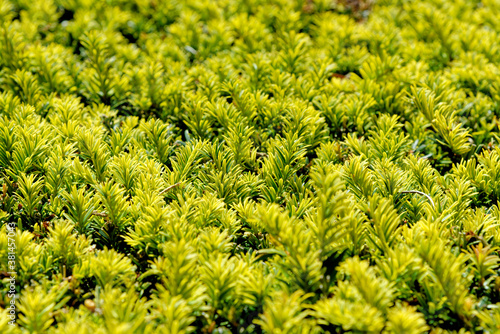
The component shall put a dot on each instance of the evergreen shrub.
(250, 166)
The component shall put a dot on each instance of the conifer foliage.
(251, 166)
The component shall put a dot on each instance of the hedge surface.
(250, 166)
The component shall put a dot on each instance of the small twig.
(99, 214)
(262, 154)
(420, 193)
(169, 187)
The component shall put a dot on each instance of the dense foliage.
(249, 166)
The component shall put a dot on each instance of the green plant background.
(251, 166)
